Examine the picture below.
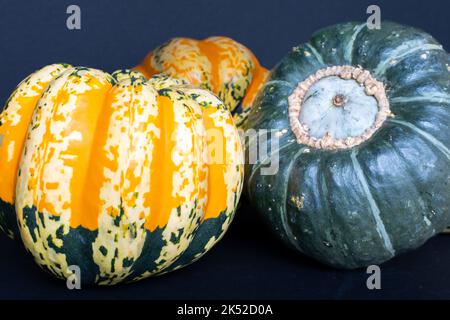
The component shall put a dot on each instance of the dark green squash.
(366, 174)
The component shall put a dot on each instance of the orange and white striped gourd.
(219, 64)
(116, 174)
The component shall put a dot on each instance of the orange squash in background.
(219, 64)
(116, 174)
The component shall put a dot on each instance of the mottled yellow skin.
(116, 172)
(219, 64)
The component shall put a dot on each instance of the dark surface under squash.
(249, 263)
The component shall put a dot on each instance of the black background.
(249, 263)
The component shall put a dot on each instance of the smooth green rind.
(364, 205)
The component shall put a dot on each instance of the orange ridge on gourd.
(215, 55)
(15, 137)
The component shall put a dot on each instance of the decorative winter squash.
(120, 176)
(218, 64)
(362, 117)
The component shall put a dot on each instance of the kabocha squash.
(218, 64)
(120, 176)
(362, 117)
